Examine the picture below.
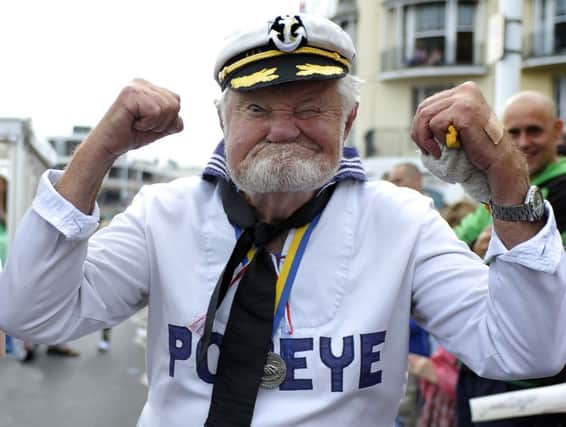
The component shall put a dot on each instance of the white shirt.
(377, 252)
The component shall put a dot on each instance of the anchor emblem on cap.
(287, 33)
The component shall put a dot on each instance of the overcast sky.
(63, 62)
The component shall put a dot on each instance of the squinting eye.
(307, 113)
(254, 108)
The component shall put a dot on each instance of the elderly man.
(279, 285)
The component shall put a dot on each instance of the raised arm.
(141, 114)
(60, 284)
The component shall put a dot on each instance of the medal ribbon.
(288, 272)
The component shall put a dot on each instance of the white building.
(22, 161)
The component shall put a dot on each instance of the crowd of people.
(282, 286)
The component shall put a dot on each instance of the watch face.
(538, 202)
(535, 203)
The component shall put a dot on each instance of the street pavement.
(93, 390)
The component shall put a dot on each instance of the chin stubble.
(282, 172)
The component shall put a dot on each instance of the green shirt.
(474, 223)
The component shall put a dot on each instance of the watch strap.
(530, 211)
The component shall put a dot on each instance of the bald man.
(407, 175)
(530, 118)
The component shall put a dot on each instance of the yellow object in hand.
(452, 140)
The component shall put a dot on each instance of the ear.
(350, 121)
(558, 129)
(220, 121)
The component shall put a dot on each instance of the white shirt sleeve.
(542, 252)
(60, 283)
(60, 213)
(500, 328)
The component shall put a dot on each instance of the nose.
(283, 128)
(522, 140)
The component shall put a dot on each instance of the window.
(70, 146)
(425, 27)
(560, 96)
(549, 27)
(465, 33)
(115, 172)
(109, 197)
(369, 140)
(439, 33)
(560, 26)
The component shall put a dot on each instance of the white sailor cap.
(284, 49)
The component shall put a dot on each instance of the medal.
(274, 371)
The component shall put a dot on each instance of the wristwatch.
(530, 211)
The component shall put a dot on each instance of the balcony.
(543, 49)
(432, 63)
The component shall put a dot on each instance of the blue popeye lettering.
(202, 371)
(288, 348)
(337, 364)
(369, 356)
(178, 334)
(180, 349)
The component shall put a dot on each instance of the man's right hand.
(141, 114)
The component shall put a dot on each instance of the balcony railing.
(395, 59)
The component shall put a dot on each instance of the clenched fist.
(141, 114)
(465, 108)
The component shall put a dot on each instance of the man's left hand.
(466, 109)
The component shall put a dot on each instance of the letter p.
(179, 346)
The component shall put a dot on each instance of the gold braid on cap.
(273, 53)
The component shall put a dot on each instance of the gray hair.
(348, 88)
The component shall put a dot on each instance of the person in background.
(438, 376)
(408, 175)
(238, 333)
(104, 343)
(454, 212)
(530, 119)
